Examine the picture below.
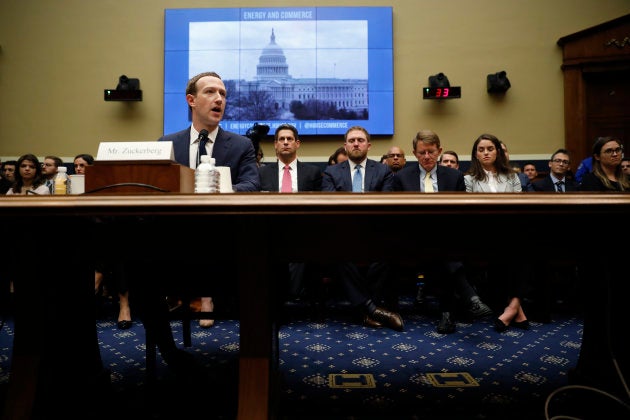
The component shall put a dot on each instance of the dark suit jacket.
(449, 179)
(378, 177)
(525, 183)
(546, 184)
(230, 149)
(309, 177)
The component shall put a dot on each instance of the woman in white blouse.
(489, 169)
(490, 172)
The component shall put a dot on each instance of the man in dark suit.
(556, 180)
(205, 95)
(295, 176)
(376, 176)
(306, 177)
(206, 98)
(429, 177)
(360, 174)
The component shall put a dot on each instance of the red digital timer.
(442, 92)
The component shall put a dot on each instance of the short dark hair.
(332, 160)
(563, 151)
(58, 161)
(86, 157)
(450, 152)
(286, 126)
(191, 86)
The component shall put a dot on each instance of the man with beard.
(363, 285)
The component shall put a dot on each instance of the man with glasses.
(395, 159)
(429, 177)
(50, 165)
(557, 180)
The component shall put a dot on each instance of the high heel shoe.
(523, 325)
(499, 326)
(124, 324)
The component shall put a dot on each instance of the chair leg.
(186, 330)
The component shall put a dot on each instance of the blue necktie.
(357, 181)
(202, 149)
(559, 186)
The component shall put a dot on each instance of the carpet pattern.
(332, 367)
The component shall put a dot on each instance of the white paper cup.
(77, 184)
(226, 179)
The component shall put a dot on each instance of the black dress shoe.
(387, 318)
(124, 325)
(369, 322)
(479, 309)
(499, 326)
(446, 326)
(523, 325)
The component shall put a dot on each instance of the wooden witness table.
(320, 226)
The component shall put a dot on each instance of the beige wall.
(57, 56)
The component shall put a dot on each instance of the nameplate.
(136, 150)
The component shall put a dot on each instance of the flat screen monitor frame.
(322, 69)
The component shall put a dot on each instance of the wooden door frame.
(600, 49)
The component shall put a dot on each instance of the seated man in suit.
(436, 178)
(288, 174)
(302, 176)
(206, 98)
(557, 179)
(359, 174)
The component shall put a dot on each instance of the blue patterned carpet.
(335, 368)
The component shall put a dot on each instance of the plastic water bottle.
(207, 176)
(61, 181)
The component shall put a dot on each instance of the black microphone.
(202, 139)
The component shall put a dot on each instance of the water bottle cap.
(62, 169)
(206, 159)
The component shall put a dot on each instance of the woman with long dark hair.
(607, 174)
(28, 177)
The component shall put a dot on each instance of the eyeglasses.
(561, 161)
(395, 155)
(611, 151)
(427, 152)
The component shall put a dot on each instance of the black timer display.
(442, 92)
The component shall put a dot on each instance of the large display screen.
(322, 69)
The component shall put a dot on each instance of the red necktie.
(287, 185)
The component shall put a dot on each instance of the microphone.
(202, 139)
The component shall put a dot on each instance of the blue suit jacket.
(309, 177)
(378, 177)
(448, 179)
(230, 149)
